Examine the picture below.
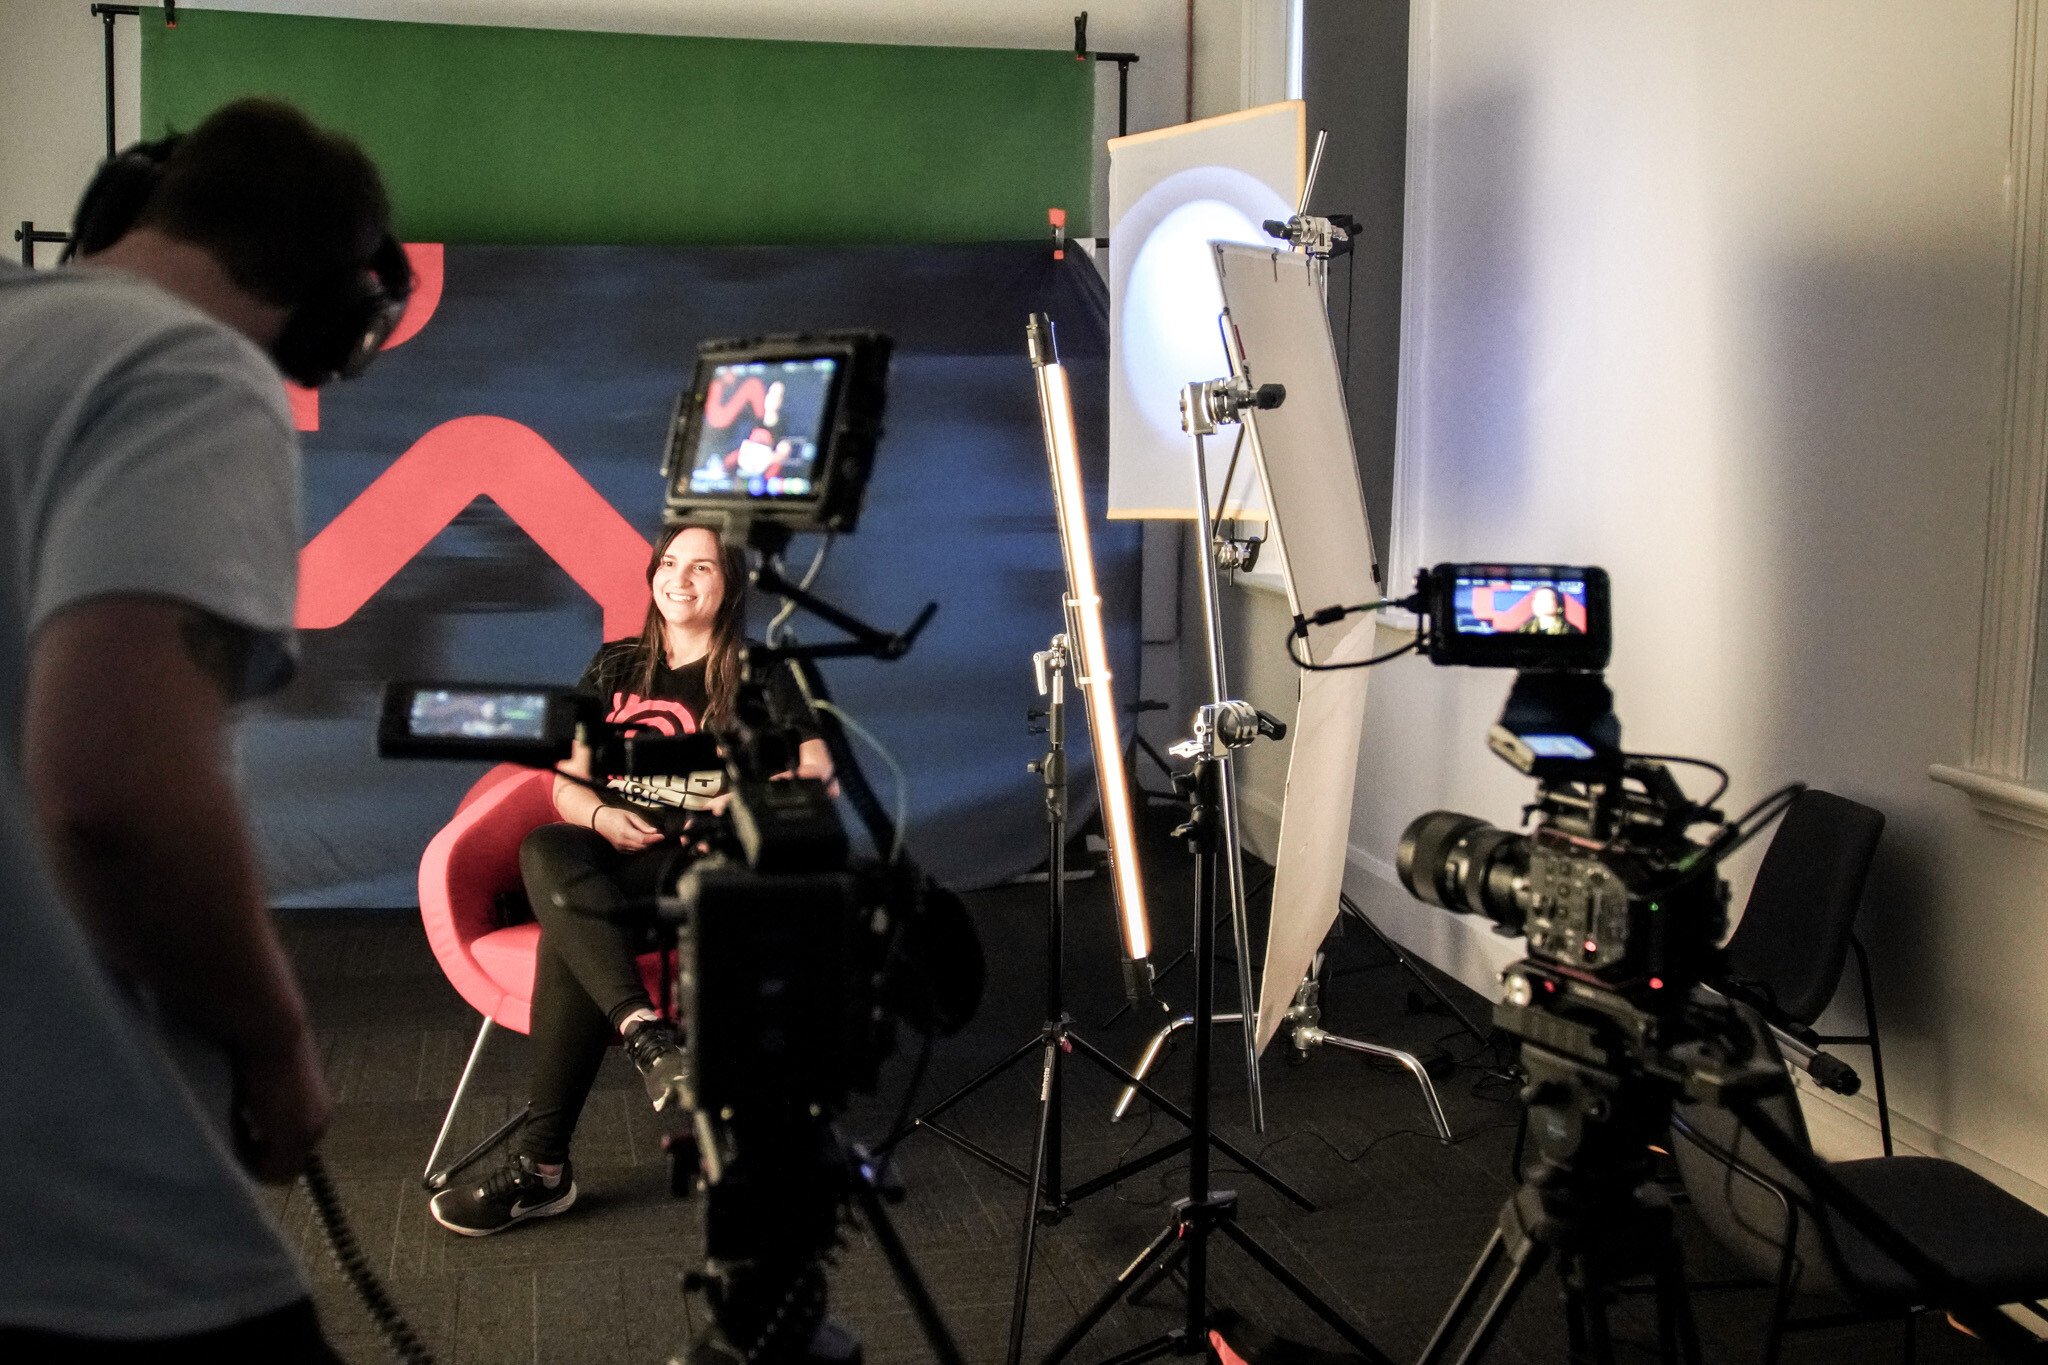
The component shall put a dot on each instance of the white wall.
(52, 96)
(1715, 294)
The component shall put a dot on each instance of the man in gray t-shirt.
(157, 1048)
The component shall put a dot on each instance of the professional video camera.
(1623, 910)
(796, 959)
(1608, 888)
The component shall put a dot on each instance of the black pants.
(288, 1336)
(585, 978)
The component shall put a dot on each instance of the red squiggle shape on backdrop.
(445, 470)
(721, 406)
(429, 270)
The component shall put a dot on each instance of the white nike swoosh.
(520, 1208)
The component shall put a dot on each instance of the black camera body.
(1602, 888)
(1608, 887)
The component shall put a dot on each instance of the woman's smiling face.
(689, 582)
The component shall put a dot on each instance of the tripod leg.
(1182, 1117)
(944, 1349)
(1576, 1333)
(1308, 1297)
(1523, 1263)
(1468, 1294)
(1678, 1335)
(1408, 965)
(1124, 1282)
(1599, 1331)
(1161, 1273)
(1020, 1298)
(1024, 1050)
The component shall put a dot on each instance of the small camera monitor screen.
(763, 425)
(1526, 616)
(508, 723)
(1557, 746)
(1488, 605)
(444, 713)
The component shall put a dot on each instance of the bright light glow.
(1092, 655)
(1171, 298)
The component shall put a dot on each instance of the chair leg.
(434, 1177)
(1781, 1301)
(1884, 1108)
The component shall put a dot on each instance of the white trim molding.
(1996, 772)
(2012, 806)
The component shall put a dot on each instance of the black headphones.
(333, 333)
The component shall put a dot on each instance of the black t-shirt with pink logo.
(673, 704)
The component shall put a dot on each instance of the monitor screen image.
(1520, 606)
(443, 713)
(762, 425)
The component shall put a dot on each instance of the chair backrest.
(1794, 934)
(468, 866)
(1753, 1203)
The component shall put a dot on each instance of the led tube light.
(1084, 628)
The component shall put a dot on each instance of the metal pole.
(1226, 784)
(1056, 896)
(107, 22)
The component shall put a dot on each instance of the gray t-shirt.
(147, 449)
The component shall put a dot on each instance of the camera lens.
(1461, 863)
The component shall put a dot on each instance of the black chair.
(1799, 929)
(1978, 1233)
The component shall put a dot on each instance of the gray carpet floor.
(1400, 1218)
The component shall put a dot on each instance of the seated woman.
(610, 852)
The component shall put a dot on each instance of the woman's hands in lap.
(625, 830)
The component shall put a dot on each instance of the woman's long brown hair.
(728, 634)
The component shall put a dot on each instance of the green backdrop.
(508, 135)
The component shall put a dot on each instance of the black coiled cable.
(349, 1259)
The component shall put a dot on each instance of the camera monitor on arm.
(1551, 622)
(776, 435)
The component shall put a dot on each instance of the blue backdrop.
(587, 346)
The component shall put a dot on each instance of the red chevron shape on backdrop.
(428, 261)
(451, 466)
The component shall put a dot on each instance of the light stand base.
(1306, 1034)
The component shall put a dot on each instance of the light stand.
(1224, 724)
(1184, 1242)
(1304, 1027)
(1048, 1200)
(1205, 405)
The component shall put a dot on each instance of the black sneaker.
(656, 1048)
(511, 1194)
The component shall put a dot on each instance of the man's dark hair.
(284, 205)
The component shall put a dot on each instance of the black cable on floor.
(349, 1259)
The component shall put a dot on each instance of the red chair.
(468, 873)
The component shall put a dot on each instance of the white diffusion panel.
(1274, 300)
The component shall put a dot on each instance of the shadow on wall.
(1866, 471)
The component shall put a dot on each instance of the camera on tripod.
(796, 959)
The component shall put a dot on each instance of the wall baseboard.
(1844, 1127)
